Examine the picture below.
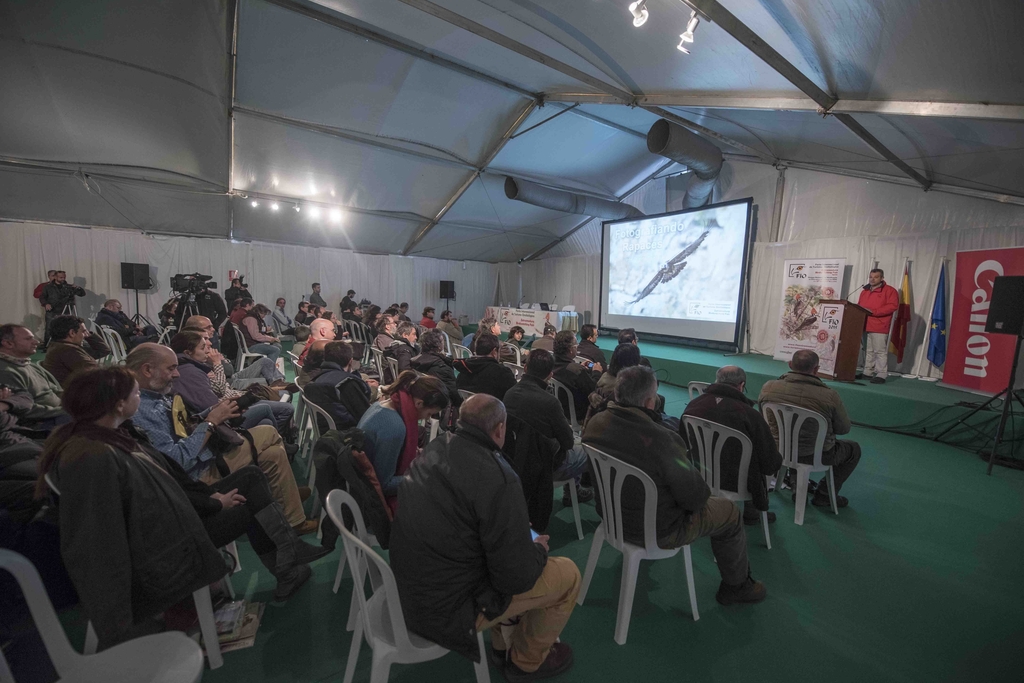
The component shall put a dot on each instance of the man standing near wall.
(881, 301)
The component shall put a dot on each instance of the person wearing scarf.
(392, 426)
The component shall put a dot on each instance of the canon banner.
(976, 359)
(804, 283)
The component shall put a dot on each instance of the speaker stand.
(138, 318)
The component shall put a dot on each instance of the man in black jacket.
(723, 402)
(577, 378)
(463, 556)
(433, 362)
(628, 336)
(531, 402)
(113, 317)
(58, 298)
(588, 348)
(483, 373)
(403, 348)
(630, 430)
(335, 369)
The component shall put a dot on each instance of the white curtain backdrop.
(92, 259)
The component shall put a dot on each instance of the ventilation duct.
(674, 142)
(568, 202)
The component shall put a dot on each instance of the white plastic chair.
(557, 388)
(435, 427)
(378, 362)
(345, 499)
(381, 621)
(116, 344)
(695, 389)
(610, 474)
(569, 309)
(710, 438)
(447, 344)
(160, 658)
(789, 420)
(465, 395)
(313, 410)
(575, 503)
(165, 336)
(393, 367)
(506, 346)
(517, 370)
(243, 349)
(459, 351)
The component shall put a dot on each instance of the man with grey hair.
(802, 387)
(725, 402)
(464, 559)
(631, 430)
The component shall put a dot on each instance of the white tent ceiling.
(407, 114)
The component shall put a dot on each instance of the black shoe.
(859, 375)
(748, 592)
(878, 380)
(291, 449)
(497, 657)
(824, 502)
(559, 660)
(584, 494)
(306, 553)
(753, 521)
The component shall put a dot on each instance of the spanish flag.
(898, 338)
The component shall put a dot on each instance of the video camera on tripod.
(192, 283)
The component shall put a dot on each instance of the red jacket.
(882, 303)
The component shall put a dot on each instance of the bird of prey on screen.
(671, 269)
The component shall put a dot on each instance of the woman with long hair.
(370, 317)
(392, 426)
(624, 356)
(137, 534)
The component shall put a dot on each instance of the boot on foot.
(748, 592)
(558, 661)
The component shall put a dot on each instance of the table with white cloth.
(532, 320)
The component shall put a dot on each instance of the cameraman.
(238, 288)
(57, 296)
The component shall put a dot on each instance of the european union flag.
(937, 339)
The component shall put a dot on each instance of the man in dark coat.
(577, 378)
(432, 361)
(403, 348)
(531, 402)
(335, 368)
(630, 430)
(463, 556)
(484, 373)
(724, 402)
(588, 348)
(113, 317)
(58, 298)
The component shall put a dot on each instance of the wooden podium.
(851, 320)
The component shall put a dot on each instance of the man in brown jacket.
(73, 348)
(801, 387)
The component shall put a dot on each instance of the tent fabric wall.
(92, 259)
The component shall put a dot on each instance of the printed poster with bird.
(805, 283)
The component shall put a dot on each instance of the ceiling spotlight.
(274, 182)
(682, 46)
(332, 193)
(255, 203)
(335, 215)
(691, 26)
(314, 212)
(297, 209)
(274, 207)
(639, 11)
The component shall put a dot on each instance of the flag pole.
(892, 321)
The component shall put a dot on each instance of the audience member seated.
(351, 312)
(283, 322)
(403, 310)
(301, 337)
(386, 329)
(257, 337)
(240, 309)
(314, 356)
(348, 302)
(262, 368)
(686, 510)
(724, 402)
(531, 402)
(19, 455)
(463, 556)
(303, 317)
(628, 336)
(113, 317)
(801, 387)
(314, 311)
(428, 318)
(588, 348)
(515, 336)
(72, 348)
(624, 356)
(335, 368)
(194, 386)
(391, 427)
(370, 316)
(169, 313)
(19, 373)
(577, 378)
(483, 373)
(546, 342)
(155, 368)
(130, 539)
(485, 326)
(403, 347)
(450, 327)
(432, 361)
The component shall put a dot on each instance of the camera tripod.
(187, 307)
(1008, 395)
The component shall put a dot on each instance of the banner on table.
(805, 282)
(975, 359)
(532, 321)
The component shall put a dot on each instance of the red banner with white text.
(976, 359)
